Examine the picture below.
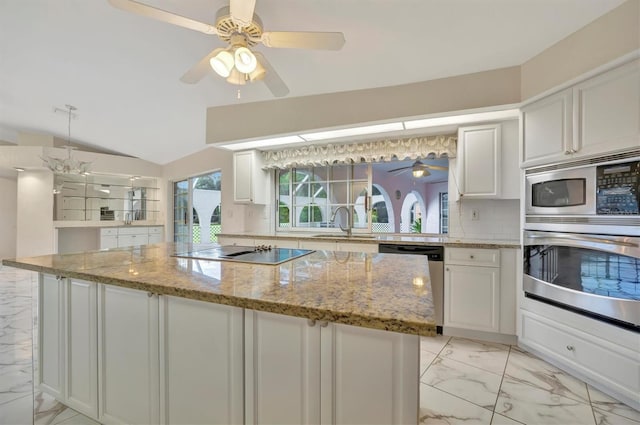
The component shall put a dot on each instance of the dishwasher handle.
(434, 253)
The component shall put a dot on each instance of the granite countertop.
(397, 239)
(379, 291)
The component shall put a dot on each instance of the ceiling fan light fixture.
(222, 63)
(236, 77)
(245, 60)
(419, 172)
(258, 73)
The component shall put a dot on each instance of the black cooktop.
(246, 254)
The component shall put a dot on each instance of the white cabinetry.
(119, 237)
(607, 111)
(249, 180)
(479, 161)
(603, 355)
(282, 369)
(303, 371)
(201, 362)
(598, 116)
(68, 342)
(128, 356)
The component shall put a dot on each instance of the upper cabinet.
(487, 161)
(249, 180)
(598, 116)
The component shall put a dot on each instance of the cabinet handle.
(573, 151)
(472, 257)
(567, 152)
(570, 347)
(311, 322)
(323, 323)
(447, 269)
(150, 294)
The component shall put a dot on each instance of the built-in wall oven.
(582, 237)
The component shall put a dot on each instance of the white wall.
(498, 219)
(432, 201)
(35, 221)
(235, 217)
(8, 214)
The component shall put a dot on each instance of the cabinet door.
(202, 362)
(369, 376)
(282, 367)
(132, 240)
(472, 297)
(547, 129)
(155, 238)
(128, 356)
(51, 334)
(108, 242)
(242, 176)
(479, 161)
(607, 112)
(82, 347)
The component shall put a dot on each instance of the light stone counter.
(396, 239)
(379, 291)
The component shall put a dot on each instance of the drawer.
(133, 231)
(113, 231)
(472, 256)
(606, 362)
(156, 230)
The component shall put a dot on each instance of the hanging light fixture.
(237, 64)
(67, 165)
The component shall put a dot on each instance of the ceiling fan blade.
(436, 167)
(400, 169)
(162, 15)
(272, 79)
(242, 11)
(304, 40)
(200, 69)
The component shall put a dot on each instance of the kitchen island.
(331, 337)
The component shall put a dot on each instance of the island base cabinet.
(373, 376)
(301, 371)
(68, 342)
(282, 367)
(128, 356)
(201, 361)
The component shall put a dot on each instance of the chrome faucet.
(349, 218)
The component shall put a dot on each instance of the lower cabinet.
(128, 356)
(201, 360)
(125, 356)
(300, 371)
(68, 342)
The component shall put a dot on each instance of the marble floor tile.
(470, 383)
(17, 412)
(47, 410)
(484, 355)
(426, 358)
(605, 403)
(433, 344)
(532, 405)
(15, 382)
(503, 420)
(607, 418)
(437, 407)
(536, 373)
(78, 419)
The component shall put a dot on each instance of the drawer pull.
(311, 322)
(570, 347)
(472, 257)
(149, 294)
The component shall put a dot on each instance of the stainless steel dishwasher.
(435, 256)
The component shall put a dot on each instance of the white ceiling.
(122, 71)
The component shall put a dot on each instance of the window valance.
(376, 151)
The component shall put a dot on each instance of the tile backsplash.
(485, 219)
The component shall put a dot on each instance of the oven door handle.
(583, 238)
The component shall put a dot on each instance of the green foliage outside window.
(416, 227)
(310, 214)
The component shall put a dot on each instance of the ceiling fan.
(238, 26)
(418, 169)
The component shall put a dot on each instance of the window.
(444, 212)
(197, 208)
(382, 197)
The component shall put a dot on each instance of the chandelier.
(68, 165)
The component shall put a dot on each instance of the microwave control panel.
(617, 189)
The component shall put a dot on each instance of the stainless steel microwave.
(562, 192)
(597, 197)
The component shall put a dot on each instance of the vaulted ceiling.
(122, 70)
